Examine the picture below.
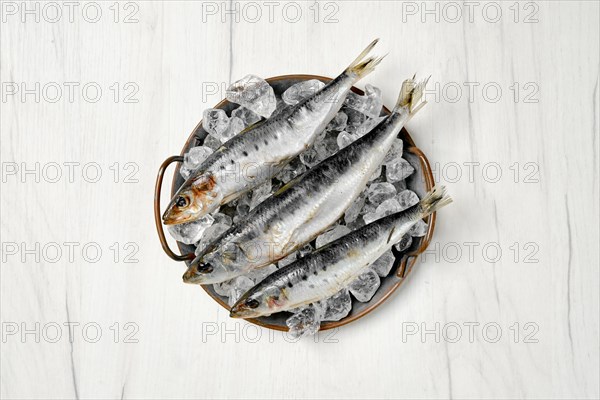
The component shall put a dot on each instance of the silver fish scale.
(250, 146)
(326, 271)
(274, 142)
(327, 255)
(299, 200)
(273, 130)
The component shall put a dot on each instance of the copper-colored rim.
(157, 220)
(403, 265)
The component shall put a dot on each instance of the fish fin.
(288, 185)
(435, 199)
(253, 126)
(411, 95)
(391, 233)
(361, 67)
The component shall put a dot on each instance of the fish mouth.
(169, 218)
(241, 311)
(200, 272)
(190, 276)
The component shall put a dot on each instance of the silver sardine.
(333, 267)
(306, 206)
(259, 152)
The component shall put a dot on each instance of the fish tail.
(361, 67)
(435, 199)
(411, 96)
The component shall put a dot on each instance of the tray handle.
(157, 216)
(409, 259)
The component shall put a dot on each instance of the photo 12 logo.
(270, 11)
(488, 92)
(453, 12)
(53, 12)
(482, 252)
(454, 332)
(487, 172)
(69, 252)
(69, 172)
(244, 332)
(55, 332)
(69, 92)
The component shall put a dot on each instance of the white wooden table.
(95, 96)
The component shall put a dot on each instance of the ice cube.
(311, 157)
(337, 306)
(369, 217)
(380, 191)
(239, 286)
(193, 159)
(353, 211)
(260, 194)
(304, 322)
(236, 125)
(242, 207)
(215, 121)
(258, 274)
(370, 103)
(327, 146)
(365, 285)
(344, 139)
(210, 234)
(355, 120)
(335, 233)
(212, 142)
(368, 126)
(395, 153)
(356, 224)
(301, 90)
(253, 93)
(389, 206)
(355, 101)
(374, 100)
(191, 232)
(398, 171)
(280, 108)
(290, 258)
(419, 229)
(367, 208)
(222, 288)
(404, 243)
(384, 264)
(247, 116)
(221, 218)
(338, 123)
(400, 186)
(406, 199)
(291, 170)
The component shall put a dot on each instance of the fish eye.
(205, 268)
(252, 303)
(181, 201)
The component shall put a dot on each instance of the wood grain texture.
(176, 54)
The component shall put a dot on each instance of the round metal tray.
(421, 181)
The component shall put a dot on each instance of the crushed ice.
(385, 194)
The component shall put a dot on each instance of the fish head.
(220, 261)
(197, 197)
(260, 301)
(202, 271)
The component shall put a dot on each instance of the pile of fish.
(294, 203)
